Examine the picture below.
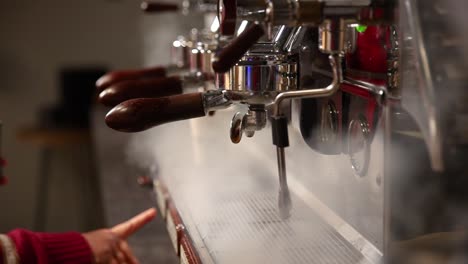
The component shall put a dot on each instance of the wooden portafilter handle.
(155, 7)
(150, 88)
(234, 51)
(114, 77)
(141, 114)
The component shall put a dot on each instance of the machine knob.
(233, 52)
(114, 77)
(141, 114)
(148, 88)
(154, 7)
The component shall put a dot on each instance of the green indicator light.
(361, 28)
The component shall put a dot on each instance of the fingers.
(123, 254)
(110, 247)
(120, 256)
(127, 251)
(129, 227)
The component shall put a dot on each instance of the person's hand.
(109, 246)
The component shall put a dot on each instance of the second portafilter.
(258, 79)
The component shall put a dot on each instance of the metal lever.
(280, 129)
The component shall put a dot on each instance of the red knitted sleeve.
(48, 248)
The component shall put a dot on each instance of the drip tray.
(246, 228)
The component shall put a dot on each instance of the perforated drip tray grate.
(246, 228)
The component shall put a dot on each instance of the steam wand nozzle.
(284, 202)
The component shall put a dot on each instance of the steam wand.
(280, 129)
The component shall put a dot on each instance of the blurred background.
(45, 47)
(68, 171)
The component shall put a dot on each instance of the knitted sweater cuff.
(70, 248)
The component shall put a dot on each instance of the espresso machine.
(355, 125)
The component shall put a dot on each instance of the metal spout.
(280, 130)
